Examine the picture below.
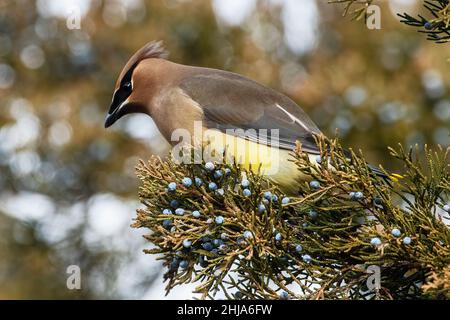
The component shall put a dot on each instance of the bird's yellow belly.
(274, 163)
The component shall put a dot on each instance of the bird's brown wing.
(230, 101)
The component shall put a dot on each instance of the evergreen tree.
(233, 231)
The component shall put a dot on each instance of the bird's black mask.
(116, 110)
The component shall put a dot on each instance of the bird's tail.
(387, 177)
(378, 172)
(395, 177)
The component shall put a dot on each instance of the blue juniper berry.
(359, 195)
(167, 224)
(179, 211)
(314, 184)
(218, 174)
(245, 183)
(375, 241)
(187, 243)
(172, 186)
(198, 181)
(261, 208)
(206, 239)
(220, 220)
(396, 232)
(174, 203)
(187, 182)
(184, 264)
(284, 295)
(207, 246)
(212, 186)
(407, 240)
(209, 166)
(174, 264)
(378, 201)
(248, 234)
(313, 214)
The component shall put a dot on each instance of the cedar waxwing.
(227, 105)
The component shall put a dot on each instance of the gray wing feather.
(230, 101)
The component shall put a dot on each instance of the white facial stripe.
(114, 94)
(122, 104)
(294, 119)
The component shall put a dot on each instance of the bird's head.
(126, 98)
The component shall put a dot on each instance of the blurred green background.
(67, 186)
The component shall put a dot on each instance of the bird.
(232, 111)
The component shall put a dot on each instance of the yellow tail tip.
(396, 176)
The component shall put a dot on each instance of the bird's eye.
(127, 85)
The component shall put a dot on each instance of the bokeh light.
(68, 192)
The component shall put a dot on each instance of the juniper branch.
(317, 245)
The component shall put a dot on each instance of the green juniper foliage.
(233, 231)
(436, 26)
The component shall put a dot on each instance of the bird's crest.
(153, 49)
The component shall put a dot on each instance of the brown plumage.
(223, 100)
(176, 96)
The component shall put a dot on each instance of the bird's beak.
(110, 119)
(114, 113)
